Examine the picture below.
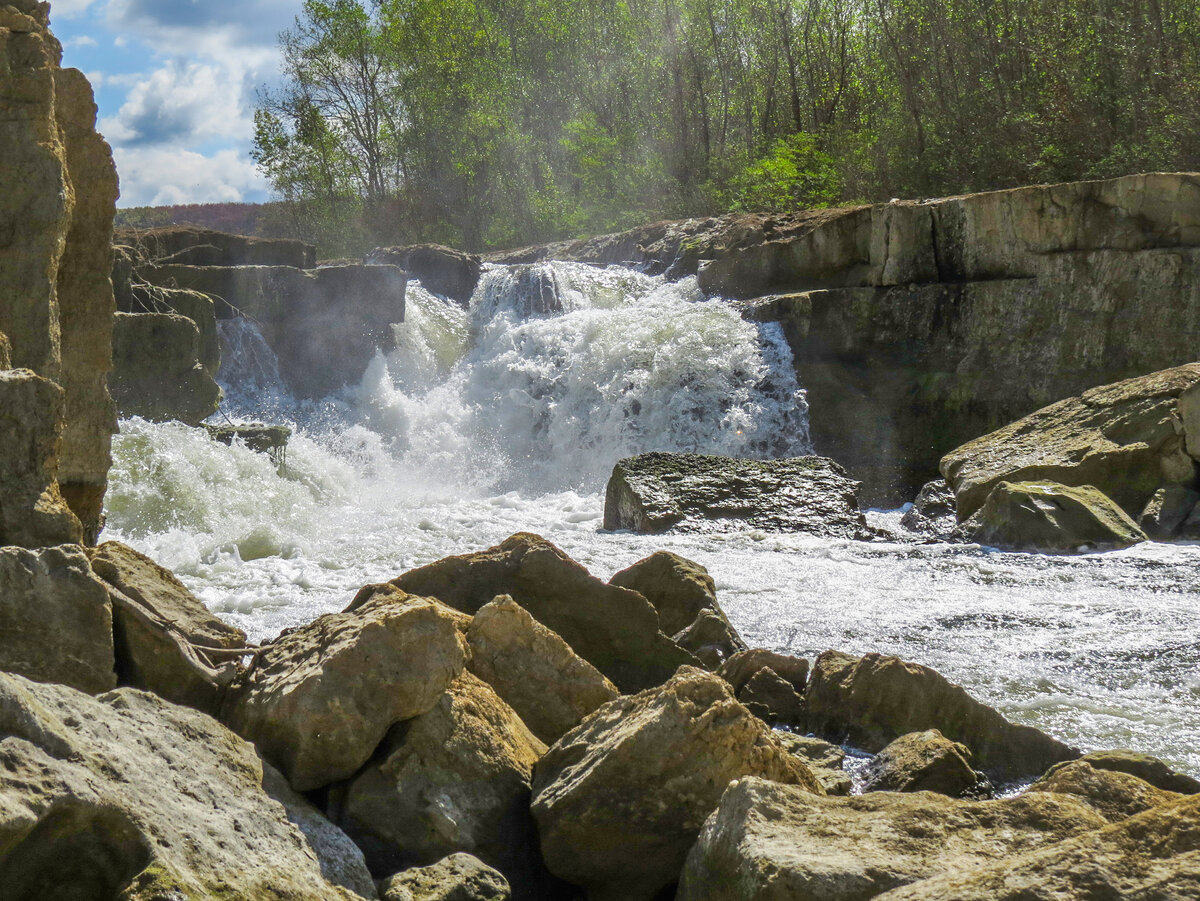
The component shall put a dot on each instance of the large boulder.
(157, 372)
(56, 624)
(166, 640)
(536, 673)
(191, 245)
(1126, 439)
(923, 761)
(33, 512)
(127, 796)
(1157, 772)
(620, 799)
(614, 629)
(320, 698)
(772, 842)
(659, 492)
(456, 778)
(873, 700)
(1114, 795)
(459, 877)
(1047, 516)
(1151, 855)
(441, 270)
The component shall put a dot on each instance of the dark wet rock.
(873, 700)
(924, 761)
(711, 638)
(459, 877)
(772, 842)
(56, 624)
(933, 514)
(1166, 512)
(620, 799)
(258, 436)
(738, 670)
(768, 691)
(660, 492)
(614, 629)
(440, 270)
(1114, 795)
(1046, 516)
(157, 372)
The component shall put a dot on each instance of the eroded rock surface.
(1114, 795)
(459, 877)
(923, 761)
(440, 270)
(157, 372)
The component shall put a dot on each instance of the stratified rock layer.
(157, 372)
(439, 269)
(660, 492)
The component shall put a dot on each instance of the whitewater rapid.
(509, 416)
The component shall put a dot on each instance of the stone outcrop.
(56, 301)
(679, 589)
(459, 877)
(1127, 439)
(771, 842)
(189, 245)
(536, 673)
(1150, 769)
(320, 698)
(1114, 795)
(619, 800)
(824, 759)
(157, 372)
(923, 761)
(660, 492)
(614, 629)
(771, 685)
(934, 513)
(456, 778)
(441, 270)
(127, 796)
(56, 624)
(875, 699)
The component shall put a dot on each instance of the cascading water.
(509, 416)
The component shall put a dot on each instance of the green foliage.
(487, 123)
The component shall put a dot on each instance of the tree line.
(496, 123)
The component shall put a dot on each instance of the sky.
(175, 83)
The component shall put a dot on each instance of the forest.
(497, 123)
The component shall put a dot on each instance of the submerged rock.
(157, 373)
(536, 673)
(619, 799)
(924, 761)
(1046, 516)
(440, 270)
(320, 698)
(459, 877)
(875, 699)
(614, 629)
(266, 439)
(660, 492)
(56, 624)
(772, 842)
(128, 796)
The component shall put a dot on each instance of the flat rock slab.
(660, 492)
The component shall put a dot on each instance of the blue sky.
(175, 82)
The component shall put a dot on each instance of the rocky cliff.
(56, 300)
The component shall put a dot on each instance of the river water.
(508, 417)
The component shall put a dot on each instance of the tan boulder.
(620, 799)
(823, 758)
(320, 698)
(678, 588)
(1115, 796)
(739, 669)
(157, 371)
(772, 842)
(459, 877)
(924, 761)
(456, 778)
(1157, 772)
(536, 673)
(875, 699)
(127, 796)
(614, 629)
(1154, 855)
(55, 619)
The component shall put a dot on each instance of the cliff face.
(56, 300)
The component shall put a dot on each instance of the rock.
(660, 492)
(1167, 511)
(678, 588)
(619, 800)
(536, 673)
(875, 699)
(56, 624)
(711, 638)
(139, 297)
(459, 877)
(1047, 516)
(614, 629)
(771, 842)
(1125, 439)
(924, 762)
(157, 373)
(5, 352)
(739, 669)
(440, 270)
(166, 640)
(128, 796)
(190, 245)
(1151, 855)
(456, 778)
(1145, 767)
(56, 301)
(1190, 529)
(320, 698)
(1114, 795)
(258, 436)
(822, 758)
(934, 511)
(774, 694)
(33, 512)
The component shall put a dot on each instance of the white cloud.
(69, 9)
(82, 41)
(156, 176)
